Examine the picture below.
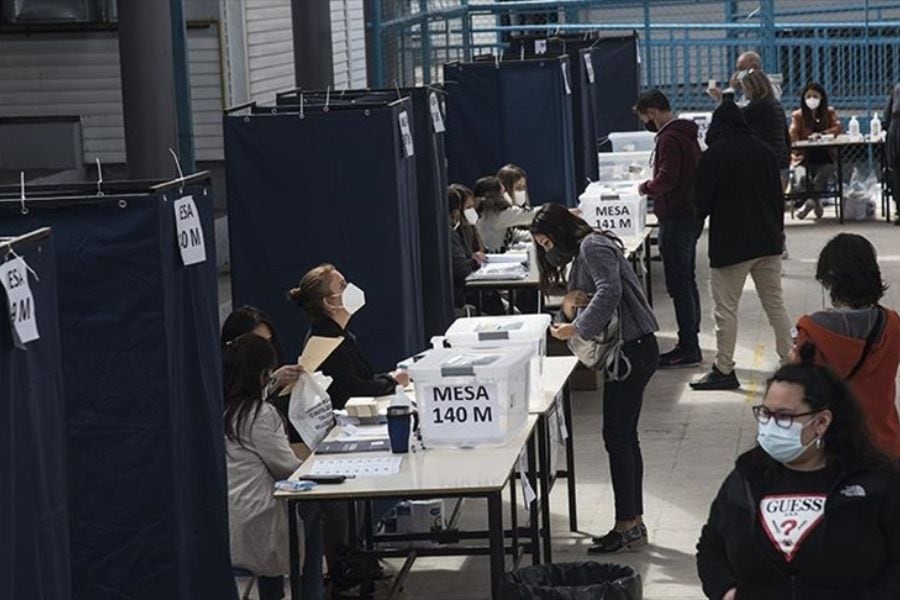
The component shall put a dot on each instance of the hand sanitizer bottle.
(853, 129)
(875, 127)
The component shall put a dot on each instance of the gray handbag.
(604, 352)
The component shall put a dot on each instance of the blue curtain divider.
(34, 523)
(147, 492)
(431, 183)
(513, 112)
(328, 187)
(616, 86)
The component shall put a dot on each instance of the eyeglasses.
(763, 415)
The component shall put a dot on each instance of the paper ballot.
(316, 351)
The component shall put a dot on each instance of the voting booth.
(584, 137)
(34, 521)
(519, 112)
(333, 184)
(617, 208)
(141, 377)
(428, 133)
(616, 63)
(471, 397)
(528, 331)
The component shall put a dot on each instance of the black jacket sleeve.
(704, 186)
(462, 262)
(343, 366)
(713, 566)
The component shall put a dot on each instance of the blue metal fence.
(850, 49)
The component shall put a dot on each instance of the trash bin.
(573, 581)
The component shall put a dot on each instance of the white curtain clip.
(180, 172)
(24, 208)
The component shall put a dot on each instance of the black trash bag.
(573, 581)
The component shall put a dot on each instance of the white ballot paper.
(358, 467)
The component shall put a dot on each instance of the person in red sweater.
(857, 338)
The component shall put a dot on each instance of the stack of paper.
(508, 257)
(500, 271)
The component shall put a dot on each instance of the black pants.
(622, 402)
(895, 188)
(270, 588)
(678, 247)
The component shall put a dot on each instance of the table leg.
(544, 482)
(514, 521)
(294, 549)
(533, 525)
(570, 457)
(648, 261)
(840, 183)
(495, 527)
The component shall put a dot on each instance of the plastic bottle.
(875, 127)
(853, 129)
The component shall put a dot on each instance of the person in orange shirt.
(857, 338)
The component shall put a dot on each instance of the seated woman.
(329, 303)
(498, 218)
(814, 510)
(467, 225)
(257, 455)
(515, 182)
(812, 119)
(249, 319)
(858, 339)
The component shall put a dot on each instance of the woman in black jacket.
(329, 302)
(813, 512)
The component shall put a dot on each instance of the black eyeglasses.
(763, 415)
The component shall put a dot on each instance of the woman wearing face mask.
(463, 262)
(515, 181)
(258, 455)
(601, 282)
(329, 302)
(467, 229)
(857, 338)
(498, 217)
(814, 510)
(814, 118)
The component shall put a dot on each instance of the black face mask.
(558, 258)
(651, 126)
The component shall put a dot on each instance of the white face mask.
(352, 299)
(521, 198)
(812, 103)
(471, 215)
(508, 198)
(783, 444)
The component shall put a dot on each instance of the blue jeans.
(678, 247)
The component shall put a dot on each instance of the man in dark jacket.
(675, 161)
(737, 187)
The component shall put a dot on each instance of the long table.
(482, 472)
(839, 145)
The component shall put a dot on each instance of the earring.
(819, 444)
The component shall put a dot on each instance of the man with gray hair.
(745, 62)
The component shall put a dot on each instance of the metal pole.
(425, 32)
(767, 16)
(466, 32)
(148, 88)
(377, 69)
(313, 58)
(182, 88)
(648, 54)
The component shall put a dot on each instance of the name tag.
(589, 67)
(436, 117)
(406, 134)
(20, 301)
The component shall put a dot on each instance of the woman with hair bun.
(858, 338)
(814, 510)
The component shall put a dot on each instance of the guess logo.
(788, 520)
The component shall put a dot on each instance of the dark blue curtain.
(616, 86)
(518, 112)
(330, 187)
(142, 369)
(34, 524)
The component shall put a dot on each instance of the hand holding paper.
(316, 351)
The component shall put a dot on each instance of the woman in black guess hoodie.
(813, 512)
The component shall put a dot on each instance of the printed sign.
(406, 134)
(20, 301)
(788, 520)
(540, 47)
(189, 231)
(528, 495)
(437, 118)
(589, 67)
(563, 429)
(565, 73)
(469, 411)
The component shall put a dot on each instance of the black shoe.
(680, 358)
(716, 380)
(616, 541)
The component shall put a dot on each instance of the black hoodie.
(854, 554)
(738, 186)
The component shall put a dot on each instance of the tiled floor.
(690, 439)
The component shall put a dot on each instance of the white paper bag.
(310, 410)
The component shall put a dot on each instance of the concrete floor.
(690, 439)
